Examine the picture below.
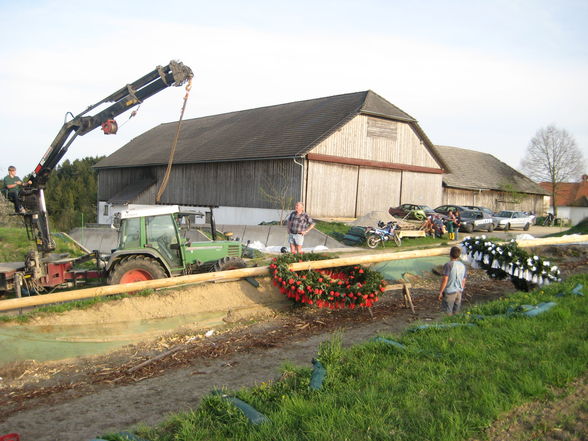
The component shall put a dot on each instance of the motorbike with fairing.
(383, 233)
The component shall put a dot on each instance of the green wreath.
(334, 288)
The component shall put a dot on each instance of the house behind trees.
(571, 199)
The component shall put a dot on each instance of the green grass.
(337, 230)
(581, 228)
(449, 384)
(334, 229)
(14, 245)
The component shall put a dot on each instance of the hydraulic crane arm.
(36, 220)
(174, 74)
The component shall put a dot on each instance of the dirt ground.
(81, 399)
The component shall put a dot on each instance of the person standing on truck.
(11, 187)
(299, 223)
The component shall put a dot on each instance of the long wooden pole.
(25, 302)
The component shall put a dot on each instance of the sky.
(481, 75)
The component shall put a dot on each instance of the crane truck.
(150, 241)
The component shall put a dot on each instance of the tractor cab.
(151, 244)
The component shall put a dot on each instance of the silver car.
(508, 219)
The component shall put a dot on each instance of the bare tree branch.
(553, 156)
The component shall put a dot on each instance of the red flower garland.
(345, 287)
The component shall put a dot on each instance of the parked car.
(475, 220)
(483, 210)
(444, 209)
(414, 210)
(508, 219)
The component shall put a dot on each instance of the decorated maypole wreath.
(334, 288)
(509, 260)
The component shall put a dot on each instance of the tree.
(278, 192)
(71, 193)
(553, 156)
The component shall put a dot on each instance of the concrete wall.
(574, 214)
(222, 215)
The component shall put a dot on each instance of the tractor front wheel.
(135, 269)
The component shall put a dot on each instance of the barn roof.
(280, 131)
(473, 170)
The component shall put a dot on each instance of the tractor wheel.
(373, 240)
(135, 269)
(228, 263)
(527, 226)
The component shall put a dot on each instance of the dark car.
(483, 210)
(411, 210)
(478, 208)
(475, 220)
(444, 209)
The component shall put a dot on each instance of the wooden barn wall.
(495, 200)
(331, 189)
(413, 150)
(112, 181)
(377, 190)
(421, 188)
(339, 190)
(148, 196)
(377, 139)
(234, 184)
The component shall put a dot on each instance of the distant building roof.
(473, 170)
(570, 194)
(273, 132)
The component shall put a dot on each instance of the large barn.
(476, 178)
(343, 156)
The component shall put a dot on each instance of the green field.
(14, 245)
(445, 384)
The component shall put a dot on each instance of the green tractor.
(151, 246)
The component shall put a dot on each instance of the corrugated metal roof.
(280, 131)
(473, 170)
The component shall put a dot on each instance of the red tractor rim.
(135, 275)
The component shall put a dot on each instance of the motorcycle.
(384, 233)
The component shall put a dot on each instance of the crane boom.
(133, 94)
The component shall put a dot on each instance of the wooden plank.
(411, 233)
